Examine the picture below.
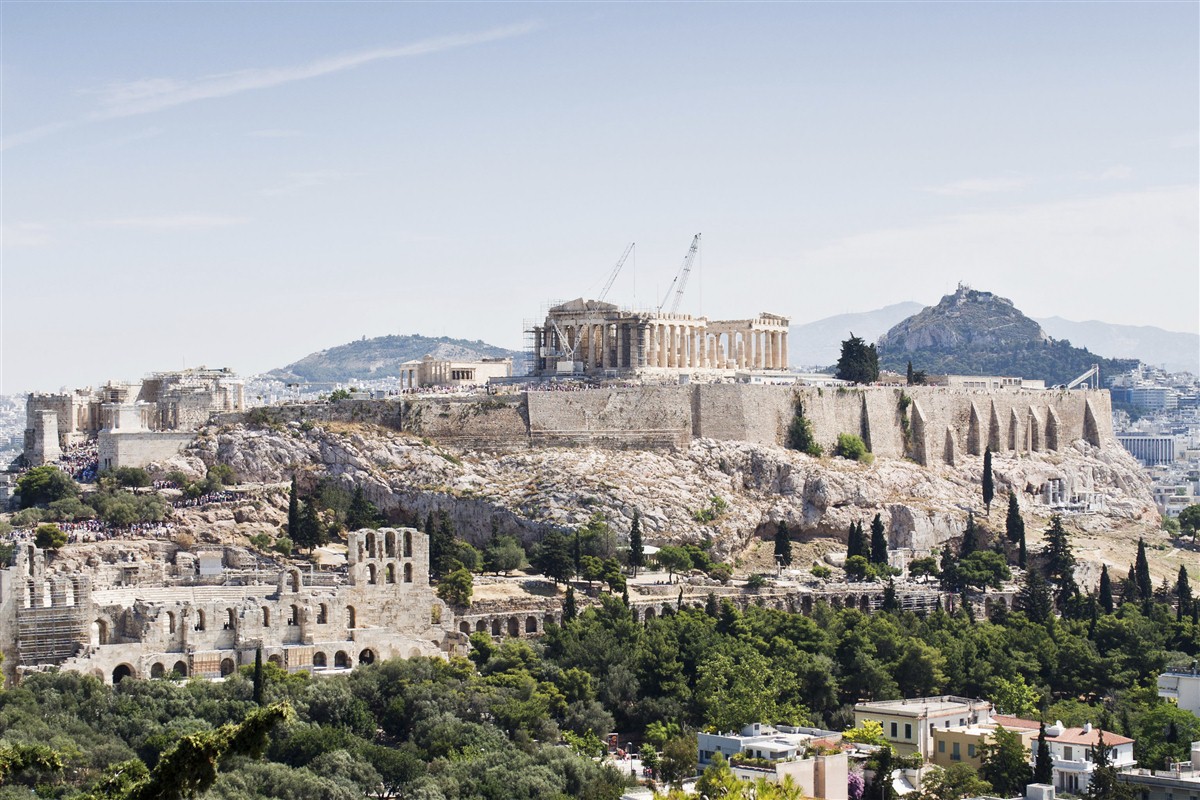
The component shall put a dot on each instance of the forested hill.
(979, 333)
(381, 357)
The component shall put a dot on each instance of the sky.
(241, 184)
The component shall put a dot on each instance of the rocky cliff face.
(529, 491)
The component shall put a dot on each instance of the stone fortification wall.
(139, 449)
(642, 416)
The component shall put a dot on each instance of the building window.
(908, 731)
(893, 730)
(941, 745)
(955, 755)
(970, 751)
(1068, 754)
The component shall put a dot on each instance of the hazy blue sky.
(243, 183)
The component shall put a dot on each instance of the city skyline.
(247, 185)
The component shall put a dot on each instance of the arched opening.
(390, 544)
(322, 614)
(633, 614)
(371, 545)
(266, 616)
(649, 613)
(366, 656)
(350, 617)
(99, 633)
(227, 667)
(531, 625)
(157, 671)
(464, 627)
(407, 544)
(341, 660)
(408, 573)
(180, 670)
(276, 659)
(199, 620)
(836, 601)
(293, 615)
(864, 603)
(122, 672)
(171, 622)
(514, 627)
(806, 605)
(295, 580)
(495, 627)
(550, 620)
(391, 573)
(481, 626)
(319, 661)
(371, 574)
(229, 619)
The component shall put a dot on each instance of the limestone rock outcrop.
(526, 492)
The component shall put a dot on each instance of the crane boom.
(1092, 375)
(681, 277)
(616, 271)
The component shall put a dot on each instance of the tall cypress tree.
(293, 510)
(1144, 587)
(310, 532)
(362, 512)
(890, 602)
(855, 546)
(879, 544)
(949, 568)
(783, 545)
(577, 552)
(441, 545)
(1129, 591)
(1043, 765)
(259, 678)
(1183, 594)
(908, 374)
(1014, 528)
(637, 551)
(1059, 559)
(1106, 595)
(970, 541)
(1034, 597)
(989, 482)
(569, 605)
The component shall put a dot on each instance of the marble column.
(783, 350)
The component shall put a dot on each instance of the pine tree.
(1043, 765)
(429, 528)
(1104, 784)
(879, 544)
(577, 552)
(362, 513)
(1106, 595)
(554, 557)
(259, 678)
(859, 362)
(1059, 560)
(1183, 594)
(1034, 597)
(637, 551)
(970, 541)
(310, 533)
(783, 545)
(293, 510)
(1144, 586)
(441, 545)
(989, 482)
(949, 568)
(569, 605)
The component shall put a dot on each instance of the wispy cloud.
(275, 133)
(154, 94)
(975, 186)
(147, 95)
(298, 181)
(171, 222)
(24, 234)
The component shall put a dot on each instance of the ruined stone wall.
(642, 416)
(118, 449)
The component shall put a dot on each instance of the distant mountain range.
(818, 343)
(381, 357)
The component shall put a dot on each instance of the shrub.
(131, 477)
(800, 433)
(49, 537)
(756, 581)
(851, 446)
(222, 474)
(284, 545)
(821, 571)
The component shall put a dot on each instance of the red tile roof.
(1091, 738)
(1015, 723)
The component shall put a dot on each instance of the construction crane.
(616, 271)
(681, 277)
(1092, 376)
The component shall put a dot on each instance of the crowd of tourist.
(205, 499)
(93, 530)
(81, 462)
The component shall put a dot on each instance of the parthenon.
(590, 337)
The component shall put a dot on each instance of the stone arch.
(351, 617)
(390, 573)
(408, 551)
(371, 576)
(806, 605)
(171, 623)
(464, 627)
(180, 670)
(481, 626)
(864, 603)
(408, 573)
(121, 672)
(294, 579)
(414, 652)
(230, 620)
(320, 660)
(276, 659)
(227, 667)
(367, 656)
(372, 552)
(200, 621)
(389, 544)
(322, 614)
(266, 616)
(835, 601)
(531, 624)
(293, 615)
(341, 660)
(157, 670)
(650, 613)
(549, 620)
(99, 633)
(496, 627)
